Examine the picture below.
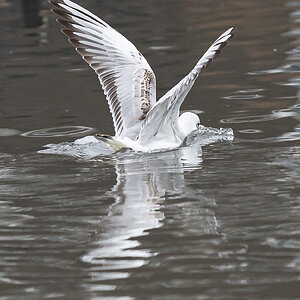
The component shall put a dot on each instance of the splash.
(90, 147)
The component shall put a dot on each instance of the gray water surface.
(221, 223)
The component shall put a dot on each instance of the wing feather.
(126, 78)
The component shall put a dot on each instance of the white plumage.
(129, 83)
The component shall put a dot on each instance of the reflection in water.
(293, 55)
(30, 10)
(292, 66)
(142, 183)
(288, 127)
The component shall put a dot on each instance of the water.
(221, 222)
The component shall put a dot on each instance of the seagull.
(140, 122)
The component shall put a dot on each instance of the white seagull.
(140, 122)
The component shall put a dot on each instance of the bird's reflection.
(142, 183)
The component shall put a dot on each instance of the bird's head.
(188, 122)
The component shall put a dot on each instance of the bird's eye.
(198, 125)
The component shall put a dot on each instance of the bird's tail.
(111, 142)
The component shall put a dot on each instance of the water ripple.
(59, 131)
(243, 97)
(249, 119)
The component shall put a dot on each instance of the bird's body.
(129, 84)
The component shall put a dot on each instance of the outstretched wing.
(165, 113)
(127, 79)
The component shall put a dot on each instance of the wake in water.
(90, 147)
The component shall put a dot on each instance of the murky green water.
(175, 225)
